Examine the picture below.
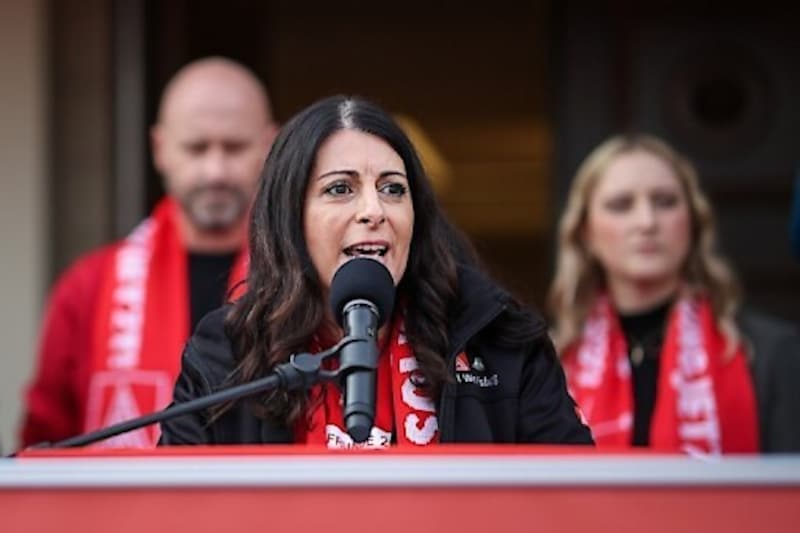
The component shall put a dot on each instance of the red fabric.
(400, 406)
(56, 398)
(102, 360)
(705, 403)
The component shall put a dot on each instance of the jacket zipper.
(446, 429)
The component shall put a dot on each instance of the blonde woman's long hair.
(579, 278)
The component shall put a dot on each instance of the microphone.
(361, 299)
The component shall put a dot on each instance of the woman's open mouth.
(374, 250)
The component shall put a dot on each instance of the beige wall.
(80, 183)
(23, 199)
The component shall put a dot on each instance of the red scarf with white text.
(400, 405)
(142, 323)
(705, 402)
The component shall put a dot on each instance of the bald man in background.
(117, 319)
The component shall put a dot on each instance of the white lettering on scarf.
(128, 298)
(623, 423)
(417, 434)
(591, 355)
(698, 422)
(339, 439)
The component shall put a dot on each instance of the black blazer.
(773, 350)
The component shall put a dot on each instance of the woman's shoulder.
(512, 323)
(768, 338)
(209, 350)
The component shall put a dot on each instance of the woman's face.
(358, 203)
(638, 223)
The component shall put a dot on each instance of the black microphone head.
(362, 279)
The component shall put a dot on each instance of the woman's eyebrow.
(393, 173)
(347, 172)
(354, 173)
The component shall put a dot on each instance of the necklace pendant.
(637, 355)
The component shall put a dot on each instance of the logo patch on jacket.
(474, 373)
(462, 362)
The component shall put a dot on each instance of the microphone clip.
(305, 369)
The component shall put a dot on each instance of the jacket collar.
(479, 302)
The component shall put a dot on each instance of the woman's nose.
(645, 215)
(370, 208)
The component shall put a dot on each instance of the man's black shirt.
(208, 282)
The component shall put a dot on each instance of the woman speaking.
(459, 359)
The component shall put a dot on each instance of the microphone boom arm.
(302, 371)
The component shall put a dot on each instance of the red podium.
(448, 488)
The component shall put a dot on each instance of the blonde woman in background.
(645, 318)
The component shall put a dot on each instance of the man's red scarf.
(705, 402)
(142, 323)
(401, 406)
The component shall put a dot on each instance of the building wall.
(719, 87)
(81, 183)
(23, 199)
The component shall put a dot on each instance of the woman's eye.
(665, 200)
(394, 189)
(338, 189)
(619, 204)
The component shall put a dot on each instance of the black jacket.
(773, 349)
(517, 394)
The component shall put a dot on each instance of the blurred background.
(504, 98)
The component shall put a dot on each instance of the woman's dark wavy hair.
(283, 306)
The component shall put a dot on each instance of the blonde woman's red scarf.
(401, 407)
(705, 402)
(142, 323)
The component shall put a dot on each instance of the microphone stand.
(301, 372)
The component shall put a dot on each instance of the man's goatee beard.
(218, 217)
